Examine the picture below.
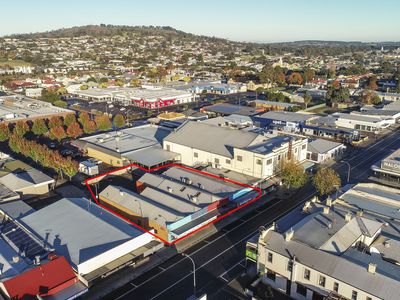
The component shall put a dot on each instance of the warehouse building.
(245, 152)
(94, 241)
(321, 151)
(282, 120)
(141, 145)
(17, 107)
(387, 170)
(315, 251)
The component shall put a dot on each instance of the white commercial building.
(244, 152)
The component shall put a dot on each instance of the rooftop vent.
(15, 259)
(194, 199)
(169, 189)
(117, 149)
(107, 135)
(348, 216)
(306, 206)
(289, 234)
(100, 140)
(117, 138)
(360, 213)
(329, 201)
(386, 244)
(121, 192)
(371, 268)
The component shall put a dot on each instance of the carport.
(151, 156)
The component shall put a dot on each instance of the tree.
(69, 119)
(267, 74)
(39, 127)
(308, 74)
(61, 104)
(369, 97)
(21, 128)
(89, 127)
(84, 87)
(186, 79)
(135, 82)
(57, 133)
(372, 85)
(50, 97)
(83, 118)
(74, 130)
(103, 122)
(5, 132)
(326, 180)
(55, 122)
(292, 174)
(62, 90)
(295, 78)
(337, 95)
(69, 167)
(119, 121)
(307, 99)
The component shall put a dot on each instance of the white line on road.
(238, 263)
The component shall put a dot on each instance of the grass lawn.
(14, 63)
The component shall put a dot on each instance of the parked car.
(95, 161)
(66, 152)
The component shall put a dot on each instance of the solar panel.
(26, 245)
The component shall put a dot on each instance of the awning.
(151, 156)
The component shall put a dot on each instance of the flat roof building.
(387, 170)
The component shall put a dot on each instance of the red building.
(44, 280)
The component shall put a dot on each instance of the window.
(216, 160)
(303, 147)
(290, 266)
(270, 257)
(168, 147)
(301, 290)
(336, 287)
(271, 275)
(368, 298)
(258, 162)
(321, 281)
(269, 161)
(228, 161)
(195, 154)
(354, 295)
(307, 274)
(239, 158)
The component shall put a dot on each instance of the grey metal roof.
(321, 146)
(213, 139)
(16, 209)
(7, 194)
(79, 229)
(287, 116)
(10, 268)
(215, 186)
(228, 109)
(270, 144)
(141, 205)
(129, 139)
(151, 156)
(22, 180)
(179, 189)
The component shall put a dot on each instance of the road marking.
(238, 263)
(162, 269)
(179, 261)
(133, 284)
(224, 279)
(227, 249)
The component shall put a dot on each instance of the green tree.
(51, 97)
(4, 132)
(326, 180)
(61, 104)
(308, 74)
(292, 174)
(83, 118)
(84, 87)
(69, 119)
(103, 122)
(39, 127)
(307, 99)
(21, 128)
(267, 74)
(119, 121)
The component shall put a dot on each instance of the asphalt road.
(220, 257)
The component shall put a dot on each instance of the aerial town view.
(200, 150)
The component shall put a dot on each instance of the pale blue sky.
(242, 20)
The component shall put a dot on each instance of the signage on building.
(391, 165)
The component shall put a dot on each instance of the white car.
(95, 161)
(122, 109)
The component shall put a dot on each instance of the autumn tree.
(4, 132)
(369, 98)
(295, 78)
(372, 85)
(55, 122)
(69, 119)
(119, 121)
(292, 174)
(308, 74)
(326, 180)
(103, 122)
(58, 133)
(39, 127)
(74, 130)
(21, 128)
(83, 118)
(89, 127)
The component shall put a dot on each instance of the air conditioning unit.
(100, 140)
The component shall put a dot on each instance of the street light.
(348, 172)
(194, 273)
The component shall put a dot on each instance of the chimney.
(289, 234)
(306, 206)
(347, 218)
(329, 201)
(360, 213)
(371, 268)
(326, 210)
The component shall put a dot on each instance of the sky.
(238, 20)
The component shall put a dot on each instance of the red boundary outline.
(87, 182)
